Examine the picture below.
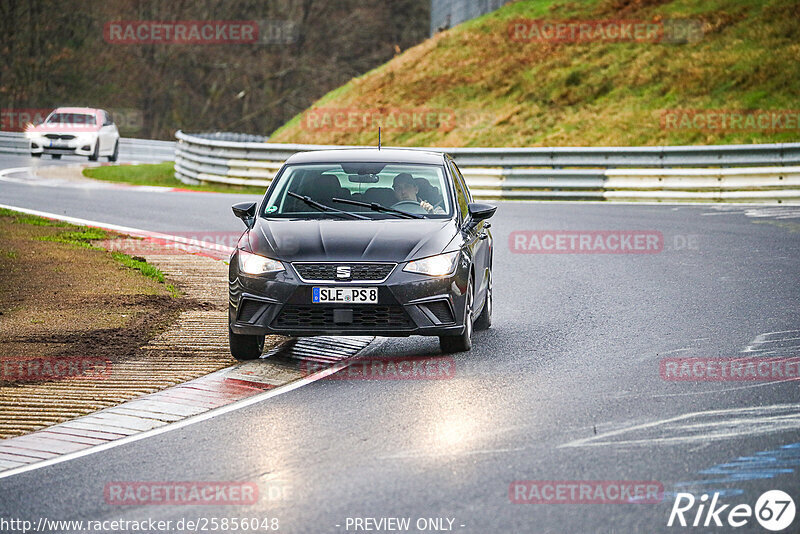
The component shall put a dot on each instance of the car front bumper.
(78, 146)
(408, 304)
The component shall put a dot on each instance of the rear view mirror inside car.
(363, 178)
(363, 168)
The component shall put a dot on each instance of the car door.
(476, 238)
(108, 132)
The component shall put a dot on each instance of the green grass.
(159, 174)
(85, 237)
(82, 237)
(24, 218)
(583, 94)
(139, 264)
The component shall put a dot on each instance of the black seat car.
(343, 243)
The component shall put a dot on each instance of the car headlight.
(440, 265)
(250, 263)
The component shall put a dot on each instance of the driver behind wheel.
(406, 191)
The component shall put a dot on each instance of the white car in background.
(80, 131)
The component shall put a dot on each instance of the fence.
(703, 173)
(131, 149)
(669, 173)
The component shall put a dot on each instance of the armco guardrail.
(130, 148)
(729, 172)
(13, 143)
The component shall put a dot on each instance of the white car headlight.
(250, 263)
(440, 265)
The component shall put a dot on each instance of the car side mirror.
(246, 211)
(478, 212)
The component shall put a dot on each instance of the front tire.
(484, 320)
(115, 155)
(462, 342)
(56, 156)
(245, 347)
(96, 153)
(36, 154)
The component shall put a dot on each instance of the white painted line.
(5, 172)
(171, 426)
(261, 397)
(706, 392)
(87, 183)
(614, 202)
(136, 232)
(748, 421)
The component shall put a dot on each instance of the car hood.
(60, 128)
(343, 240)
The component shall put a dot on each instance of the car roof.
(86, 111)
(387, 155)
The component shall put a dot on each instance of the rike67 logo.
(774, 511)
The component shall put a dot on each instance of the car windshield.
(415, 189)
(71, 118)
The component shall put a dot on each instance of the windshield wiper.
(379, 207)
(323, 207)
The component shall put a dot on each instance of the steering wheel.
(408, 204)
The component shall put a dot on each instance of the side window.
(107, 120)
(461, 194)
(467, 192)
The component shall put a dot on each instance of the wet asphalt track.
(564, 386)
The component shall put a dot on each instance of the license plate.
(58, 145)
(344, 295)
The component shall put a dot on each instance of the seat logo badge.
(343, 272)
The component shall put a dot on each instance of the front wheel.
(462, 342)
(115, 155)
(36, 154)
(56, 156)
(484, 320)
(96, 153)
(245, 347)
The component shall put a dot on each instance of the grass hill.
(482, 84)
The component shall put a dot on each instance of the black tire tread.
(244, 347)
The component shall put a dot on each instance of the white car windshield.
(71, 118)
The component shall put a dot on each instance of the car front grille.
(372, 317)
(66, 137)
(328, 272)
